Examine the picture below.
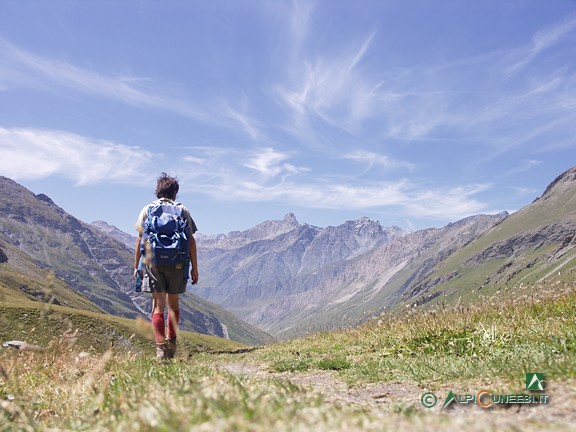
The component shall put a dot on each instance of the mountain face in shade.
(96, 264)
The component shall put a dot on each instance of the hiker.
(167, 248)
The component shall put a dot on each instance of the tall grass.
(493, 344)
(60, 390)
(499, 339)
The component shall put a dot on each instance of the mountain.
(366, 286)
(245, 271)
(96, 265)
(290, 278)
(535, 245)
(93, 264)
(126, 239)
(23, 279)
(460, 263)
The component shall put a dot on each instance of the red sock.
(173, 323)
(159, 326)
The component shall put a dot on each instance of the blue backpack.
(168, 233)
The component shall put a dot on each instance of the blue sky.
(415, 113)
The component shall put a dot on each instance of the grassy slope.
(555, 209)
(489, 346)
(37, 307)
(22, 279)
(499, 339)
(25, 278)
(91, 331)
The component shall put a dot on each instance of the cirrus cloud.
(31, 154)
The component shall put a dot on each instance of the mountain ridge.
(425, 267)
(97, 265)
(246, 270)
(290, 278)
(376, 281)
(536, 237)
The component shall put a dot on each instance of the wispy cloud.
(542, 41)
(330, 88)
(269, 175)
(373, 159)
(473, 100)
(225, 174)
(448, 204)
(19, 68)
(269, 163)
(36, 70)
(524, 166)
(300, 14)
(238, 116)
(29, 154)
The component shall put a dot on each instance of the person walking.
(166, 254)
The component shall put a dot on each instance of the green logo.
(535, 381)
(449, 399)
(429, 399)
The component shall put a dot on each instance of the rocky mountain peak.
(561, 183)
(367, 226)
(128, 240)
(45, 198)
(290, 220)
(266, 230)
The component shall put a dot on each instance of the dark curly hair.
(167, 187)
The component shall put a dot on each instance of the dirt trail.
(370, 394)
(558, 414)
(332, 388)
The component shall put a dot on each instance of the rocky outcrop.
(3, 257)
(563, 182)
(516, 245)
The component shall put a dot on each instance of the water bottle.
(145, 283)
(138, 287)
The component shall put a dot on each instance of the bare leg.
(173, 319)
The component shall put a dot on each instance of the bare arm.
(194, 259)
(137, 254)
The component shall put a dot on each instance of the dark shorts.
(170, 279)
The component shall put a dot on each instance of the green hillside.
(38, 308)
(24, 280)
(52, 256)
(45, 325)
(534, 244)
(87, 261)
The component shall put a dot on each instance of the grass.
(92, 332)
(106, 393)
(492, 345)
(499, 339)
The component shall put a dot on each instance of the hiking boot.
(171, 347)
(163, 351)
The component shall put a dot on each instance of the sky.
(414, 113)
